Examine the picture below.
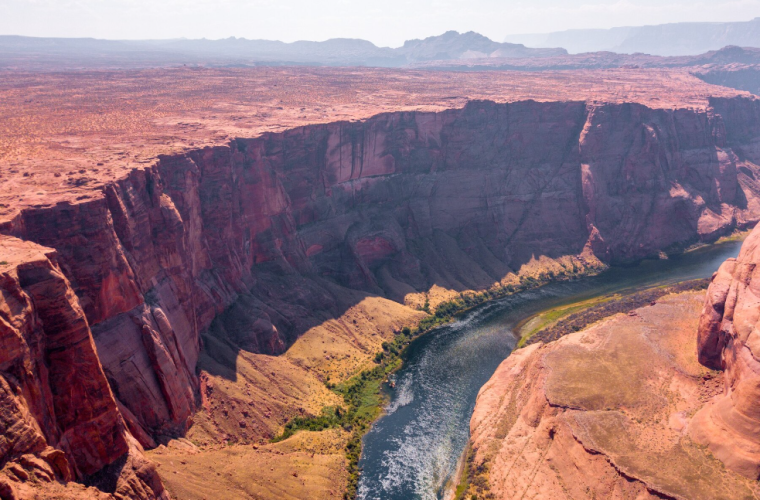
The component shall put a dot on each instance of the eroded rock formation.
(603, 413)
(729, 340)
(254, 241)
(58, 418)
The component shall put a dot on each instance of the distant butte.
(65, 135)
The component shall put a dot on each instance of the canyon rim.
(195, 261)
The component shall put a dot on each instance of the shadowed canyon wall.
(244, 239)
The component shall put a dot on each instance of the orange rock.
(728, 339)
(602, 413)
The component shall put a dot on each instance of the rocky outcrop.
(255, 235)
(58, 418)
(729, 340)
(603, 413)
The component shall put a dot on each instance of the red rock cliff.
(244, 235)
(729, 340)
(58, 417)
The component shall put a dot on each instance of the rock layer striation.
(729, 340)
(58, 417)
(251, 240)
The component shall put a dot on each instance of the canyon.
(181, 297)
(658, 402)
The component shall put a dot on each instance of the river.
(413, 450)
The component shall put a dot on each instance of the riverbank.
(550, 325)
(436, 387)
(365, 395)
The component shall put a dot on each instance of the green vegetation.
(363, 400)
(527, 328)
(3, 262)
(591, 313)
(363, 395)
(331, 417)
(472, 480)
(461, 491)
(738, 235)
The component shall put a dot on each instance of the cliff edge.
(59, 420)
(636, 406)
(604, 413)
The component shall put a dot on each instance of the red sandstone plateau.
(187, 256)
(608, 412)
(67, 134)
(659, 403)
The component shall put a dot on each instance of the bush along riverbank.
(363, 394)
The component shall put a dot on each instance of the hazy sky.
(385, 22)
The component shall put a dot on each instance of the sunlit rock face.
(729, 340)
(606, 412)
(255, 235)
(59, 419)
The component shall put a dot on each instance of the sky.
(386, 22)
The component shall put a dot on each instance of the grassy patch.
(363, 400)
(473, 483)
(464, 485)
(735, 236)
(531, 326)
(577, 321)
(362, 394)
(3, 262)
(738, 235)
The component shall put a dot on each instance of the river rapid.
(413, 450)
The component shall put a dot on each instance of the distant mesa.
(676, 39)
(732, 55)
(72, 53)
(451, 51)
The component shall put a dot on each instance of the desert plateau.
(458, 269)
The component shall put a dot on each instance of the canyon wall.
(251, 238)
(729, 340)
(736, 76)
(58, 418)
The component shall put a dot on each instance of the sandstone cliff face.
(58, 418)
(253, 236)
(603, 413)
(729, 340)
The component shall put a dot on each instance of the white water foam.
(404, 394)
